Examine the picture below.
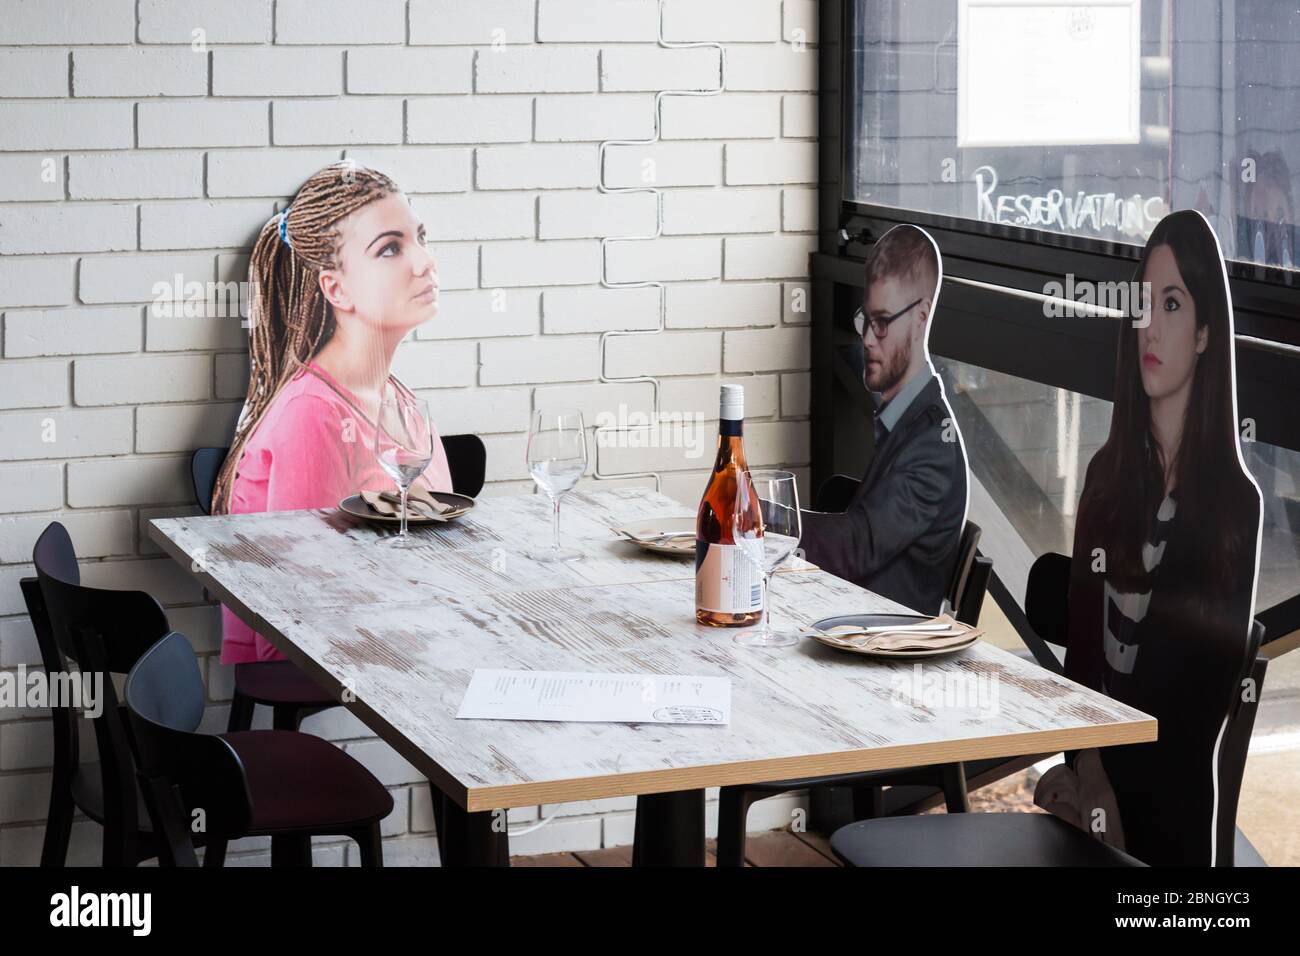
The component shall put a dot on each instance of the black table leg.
(669, 829)
(830, 808)
(471, 839)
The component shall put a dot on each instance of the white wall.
(127, 156)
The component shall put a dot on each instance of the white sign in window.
(1031, 73)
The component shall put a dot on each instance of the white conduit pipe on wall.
(604, 279)
(659, 224)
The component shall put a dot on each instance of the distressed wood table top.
(402, 632)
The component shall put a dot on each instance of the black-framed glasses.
(880, 323)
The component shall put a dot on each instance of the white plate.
(881, 620)
(653, 526)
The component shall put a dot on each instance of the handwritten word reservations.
(1132, 216)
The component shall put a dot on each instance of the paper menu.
(596, 697)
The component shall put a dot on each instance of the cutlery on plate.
(901, 642)
(415, 504)
(927, 629)
(659, 538)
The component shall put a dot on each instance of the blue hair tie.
(284, 228)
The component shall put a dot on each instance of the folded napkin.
(853, 636)
(420, 504)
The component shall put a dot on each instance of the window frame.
(991, 263)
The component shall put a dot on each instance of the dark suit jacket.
(900, 534)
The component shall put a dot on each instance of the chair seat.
(279, 682)
(303, 783)
(973, 839)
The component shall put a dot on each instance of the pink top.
(313, 448)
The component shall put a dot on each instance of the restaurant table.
(397, 635)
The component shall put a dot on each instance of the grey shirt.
(894, 408)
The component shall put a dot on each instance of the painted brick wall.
(143, 139)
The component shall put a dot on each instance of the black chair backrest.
(835, 494)
(125, 623)
(1047, 595)
(182, 771)
(67, 751)
(466, 459)
(1236, 744)
(971, 600)
(104, 632)
(966, 554)
(205, 465)
(165, 687)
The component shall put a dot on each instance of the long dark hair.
(1217, 506)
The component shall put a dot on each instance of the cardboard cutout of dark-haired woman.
(1163, 574)
(900, 534)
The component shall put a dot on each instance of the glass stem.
(555, 523)
(767, 602)
(402, 533)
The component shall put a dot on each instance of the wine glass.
(557, 458)
(404, 448)
(769, 546)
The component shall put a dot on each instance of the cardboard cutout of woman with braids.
(339, 279)
(1163, 573)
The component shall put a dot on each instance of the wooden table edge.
(790, 768)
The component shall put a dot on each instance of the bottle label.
(727, 579)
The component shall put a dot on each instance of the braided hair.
(290, 320)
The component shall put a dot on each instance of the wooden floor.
(778, 848)
(1015, 794)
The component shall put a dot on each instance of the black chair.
(836, 493)
(1037, 839)
(281, 685)
(966, 596)
(283, 784)
(205, 465)
(467, 462)
(103, 633)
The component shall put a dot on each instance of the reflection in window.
(1029, 445)
(1167, 106)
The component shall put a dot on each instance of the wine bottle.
(728, 582)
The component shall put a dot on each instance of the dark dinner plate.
(885, 620)
(461, 504)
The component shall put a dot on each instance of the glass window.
(1092, 118)
(1028, 446)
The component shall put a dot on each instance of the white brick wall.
(142, 139)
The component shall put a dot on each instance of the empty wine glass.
(557, 458)
(404, 448)
(769, 546)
